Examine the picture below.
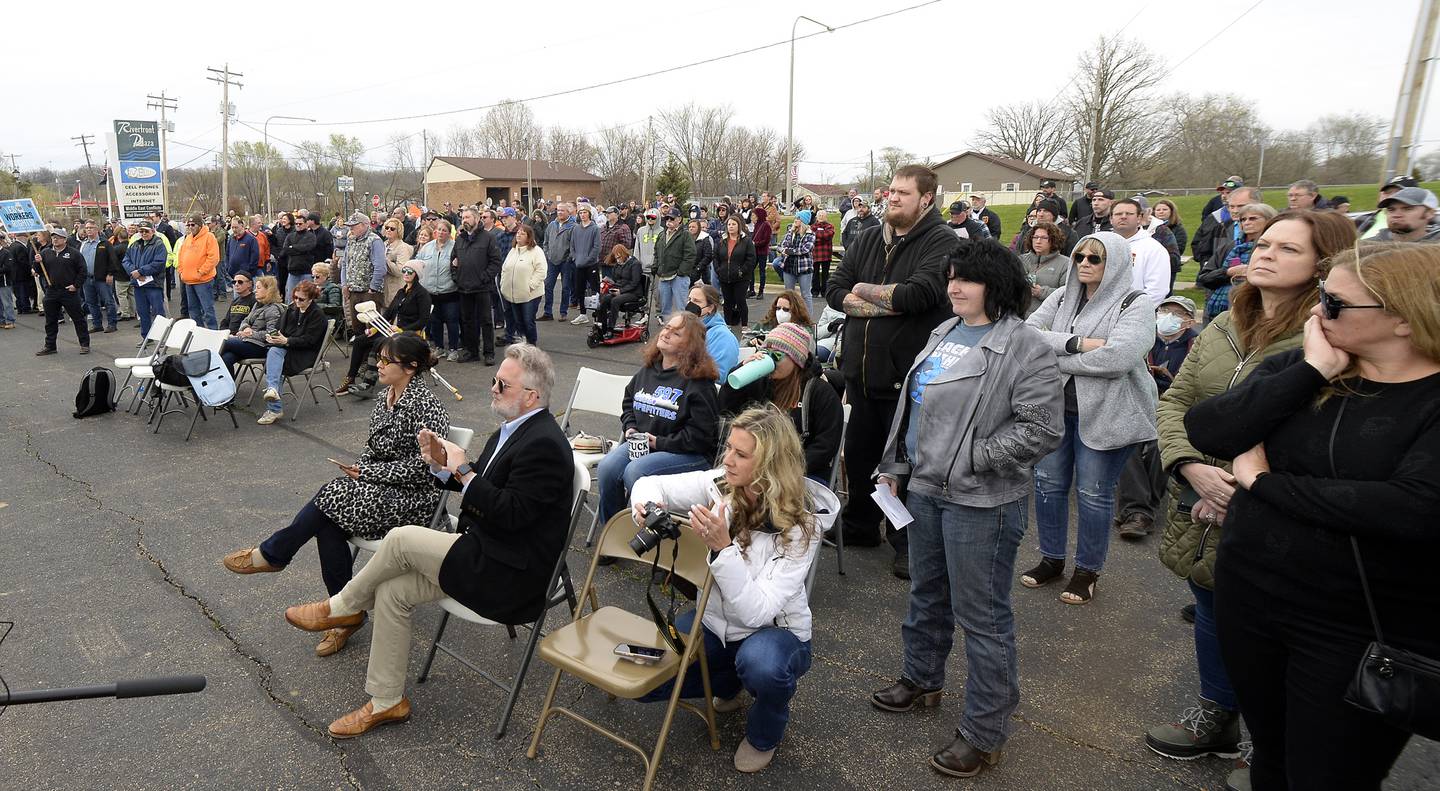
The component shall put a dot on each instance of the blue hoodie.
(721, 343)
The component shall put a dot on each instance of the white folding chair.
(459, 436)
(562, 590)
(177, 340)
(601, 393)
(321, 366)
(144, 353)
(201, 339)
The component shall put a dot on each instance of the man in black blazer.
(515, 513)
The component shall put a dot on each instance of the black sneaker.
(900, 566)
(465, 357)
(1187, 613)
(44, 352)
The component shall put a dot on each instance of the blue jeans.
(674, 293)
(1094, 473)
(201, 297)
(294, 280)
(445, 314)
(768, 664)
(962, 566)
(331, 542)
(1214, 681)
(7, 305)
(618, 473)
(520, 320)
(100, 300)
(233, 350)
(801, 283)
(149, 303)
(565, 271)
(274, 375)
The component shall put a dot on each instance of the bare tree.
(569, 147)
(459, 142)
(618, 159)
(1350, 147)
(1035, 132)
(509, 131)
(1123, 124)
(695, 135)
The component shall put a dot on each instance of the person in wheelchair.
(763, 535)
(409, 311)
(626, 290)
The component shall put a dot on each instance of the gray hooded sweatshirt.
(1114, 391)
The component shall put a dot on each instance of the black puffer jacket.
(410, 308)
(299, 252)
(304, 331)
(879, 350)
(477, 261)
(737, 266)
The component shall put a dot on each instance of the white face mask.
(1167, 323)
(782, 316)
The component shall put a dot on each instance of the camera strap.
(665, 623)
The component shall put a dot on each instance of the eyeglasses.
(299, 298)
(1082, 258)
(1331, 305)
(237, 281)
(502, 385)
(383, 360)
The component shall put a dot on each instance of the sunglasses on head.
(1331, 305)
(1089, 258)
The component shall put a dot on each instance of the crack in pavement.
(265, 670)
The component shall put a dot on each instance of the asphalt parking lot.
(110, 568)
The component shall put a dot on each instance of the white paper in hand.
(894, 510)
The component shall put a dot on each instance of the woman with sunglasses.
(1337, 468)
(397, 253)
(1100, 329)
(293, 346)
(407, 311)
(388, 485)
(1266, 316)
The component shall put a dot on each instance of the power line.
(622, 80)
(1229, 25)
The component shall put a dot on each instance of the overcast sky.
(920, 80)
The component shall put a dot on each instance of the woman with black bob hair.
(388, 485)
(982, 404)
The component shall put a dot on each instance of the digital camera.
(659, 525)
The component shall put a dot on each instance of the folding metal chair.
(459, 436)
(144, 353)
(321, 366)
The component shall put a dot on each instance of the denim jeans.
(100, 300)
(801, 283)
(294, 280)
(274, 375)
(1214, 681)
(617, 473)
(768, 664)
(962, 564)
(1094, 473)
(565, 271)
(674, 293)
(521, 320)
(7, 305)
(330, 541)
(233, 350)
(149, 303)
(445, 314)
(201, 297)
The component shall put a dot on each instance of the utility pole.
(790, 124)
(1406, 124)
(425, 168)
(872, 172)
(645, 169)
(1260, 173)
(15, 174)
(84, 144)
(225, 83)
(162, 103)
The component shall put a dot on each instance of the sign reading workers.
(20, 216)
(136, 146)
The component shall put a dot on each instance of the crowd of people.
(978, 375)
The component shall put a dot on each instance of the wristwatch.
(463, 470)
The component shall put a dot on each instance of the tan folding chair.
(459, 436)
(585, 648)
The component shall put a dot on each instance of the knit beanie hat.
(791, 340)
(805, 216)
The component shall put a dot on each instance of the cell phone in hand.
(639, 654)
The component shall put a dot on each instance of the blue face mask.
(1167, 323)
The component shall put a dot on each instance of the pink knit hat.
(791, 340)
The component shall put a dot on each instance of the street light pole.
(265, 130)
(790, 125)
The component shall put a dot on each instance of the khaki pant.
(403, 574)
(125, 295)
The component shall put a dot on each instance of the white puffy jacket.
(762, 586)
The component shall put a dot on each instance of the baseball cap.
(1187, 304)
(508, 211)
(1140, 199)
(144, 224)
(60, 232)
(1231, 183)
(1400, 182)
(1092, 185)
(959, 206)
(1339, 200)
(1107, 193)
(358, 218)
(1047, 183)
(1413, 196)
(651, 213)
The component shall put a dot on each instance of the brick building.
(460, 180)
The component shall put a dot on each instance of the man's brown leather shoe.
(962, 760)
(335, 639)
(904, 695)
(315, 617)
(242, 561)
(364, 719)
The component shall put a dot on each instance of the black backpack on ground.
(97, 393)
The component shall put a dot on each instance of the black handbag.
(1399, 686)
